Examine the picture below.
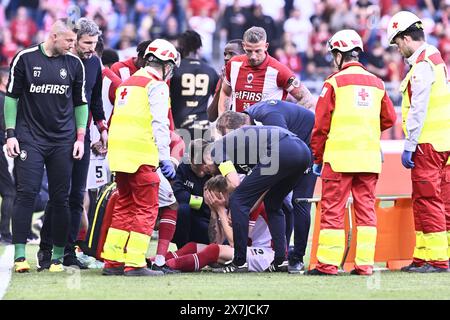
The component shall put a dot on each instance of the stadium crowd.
(122, 65)
(296, 30)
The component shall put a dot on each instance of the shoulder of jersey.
(73, 56)
(239, 58)
(28, 50)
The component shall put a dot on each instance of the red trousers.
(426, 176)
(445, 193)
(136, 208)
(428, 201)
(336, 189)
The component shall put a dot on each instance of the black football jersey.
(190, 88)
(47, 89)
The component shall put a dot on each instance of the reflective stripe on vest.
(353, 143)
(131, 142)
(436, 128)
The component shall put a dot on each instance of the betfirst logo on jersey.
(249, 96)
(49, 88)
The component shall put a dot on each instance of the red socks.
(188, 248)
(196, 261)
(167, 226)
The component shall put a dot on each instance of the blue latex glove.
(407, 159)
(317, 169)
(167, 169)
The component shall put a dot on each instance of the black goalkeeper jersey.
(48, 89)
(190, 88)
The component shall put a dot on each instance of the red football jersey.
(124, 69)
(253, 84)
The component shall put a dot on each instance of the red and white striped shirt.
(253, 84)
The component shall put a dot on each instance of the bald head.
(61, 39)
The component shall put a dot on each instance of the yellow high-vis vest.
(436, 128)
(353, 143)
(131, 142)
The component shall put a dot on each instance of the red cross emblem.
(363, 94)
(123, 93)
(395, 25)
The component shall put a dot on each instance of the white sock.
(160, 260)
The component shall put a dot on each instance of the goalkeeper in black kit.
(45, 116)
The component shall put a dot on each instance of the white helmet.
(400, 22)
(345, 40)
(163, 50)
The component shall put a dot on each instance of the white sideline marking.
(6, 264)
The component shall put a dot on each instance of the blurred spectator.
(319, 36)
(258, 19)
(178, 11)
(205, 26)
(310, 72)
(444, 45)
(195, 8)
(375, 61)
(170, 31)
(234, 21)
(151, 26)
(297, 29)
(162, 8)
(289, 56)
(23, 28)
(9, 47)
(343, 18)
(126, 47)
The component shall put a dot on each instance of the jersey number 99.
(194, 84)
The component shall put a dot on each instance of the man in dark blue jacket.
(193, 213)
(299, 121)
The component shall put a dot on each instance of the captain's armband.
(226, 167)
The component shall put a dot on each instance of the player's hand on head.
(12, 147)
(78, 150)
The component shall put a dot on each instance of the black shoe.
(283, 267)
(116, 271)
(142, 272)
(232, 268)
(6, 238)
(44, 259)
(71, 260)
(408, 267)
(296, 267)
(428, 268)
(315, 272)
(164, 268)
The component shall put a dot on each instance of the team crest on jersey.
(250, 77)
(23, 155)
(363, 97)
(63, 73)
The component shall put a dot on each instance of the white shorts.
(259, 259)
(98, 173)
(165, 193)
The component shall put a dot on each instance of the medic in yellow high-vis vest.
(138, 143)
(426, 124)
(351, 112)
(445, 194)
